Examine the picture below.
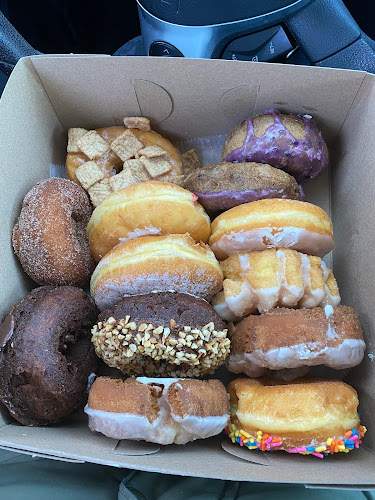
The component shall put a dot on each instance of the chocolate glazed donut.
(46, 354)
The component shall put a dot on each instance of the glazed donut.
(223, 186)
(49, 237)
(260, 281)
(110, 163)
(277, 223)
(309, 416)
(290, 142)
(163, 411)
(46, 355)
(161, 334)
(152, 207)
(174, 262)
(290, 339)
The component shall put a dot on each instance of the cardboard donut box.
(195, 103)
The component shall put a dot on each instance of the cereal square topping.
(175, 179)
(93, 145)
(137, 169)
(190, 161)
(99, 191)
(152, 151)
(126, 145)
(122, 180)
(137, 122)
(88, 174)
(74, 134)
(156, 166)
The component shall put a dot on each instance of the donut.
(223, 186)
(49, 237)
(277, 223)
(152, 207)
(290, 142)
(261, 281)
(173, 262)
(46, 355)
(289, 339)
(163, 411)
(308, 416)
(162, 334)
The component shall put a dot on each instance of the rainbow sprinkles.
(265, 442)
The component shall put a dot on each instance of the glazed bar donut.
(163, 334)
(273, 223)
(109, 162)
(261, 281)
(288, 339)
(49, 237)
(174, 262)
(152, 207)
(290, 142)
(163, 411)
(225, 185)
(308, 416)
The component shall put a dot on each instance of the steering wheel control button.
(266, 46)
(164, 49)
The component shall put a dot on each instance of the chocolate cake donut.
(46, 355)
(290, 142)
(163, 334)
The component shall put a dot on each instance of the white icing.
(138, 233)
(328, 310)
(300, 239)
(167, 428)
(349, 353)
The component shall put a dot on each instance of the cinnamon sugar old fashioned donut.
(174, 262)
(46, 355)
(289, 339)
(49, 237)
(164, 411)
(148, 208)
(290, 142)
(308, 416)
(261, 281)
(274, 223)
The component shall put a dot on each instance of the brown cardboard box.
(188, 99)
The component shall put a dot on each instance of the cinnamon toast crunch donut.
(290, 142)
(308, 416)
(163, 411)
(288, 339)
(173, 262)
(274, 223)
(148, 208)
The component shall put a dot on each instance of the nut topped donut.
(46, 355)
(277, 223)
(163, 334)
(290, 142)
(149, 208)
(49, 237)
(173, 262)
(309, 416)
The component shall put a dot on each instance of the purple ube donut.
(292, 143)
(222, 186)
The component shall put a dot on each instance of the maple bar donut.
(111, 158)
(292, 143)
(308, 416)
(223, 186)
(173, 262)
(162, 334)
(163, 411)
(277, 223)
(288, 339)
(261, 281)
(50, 238)
(149, 208)
(46, 355)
